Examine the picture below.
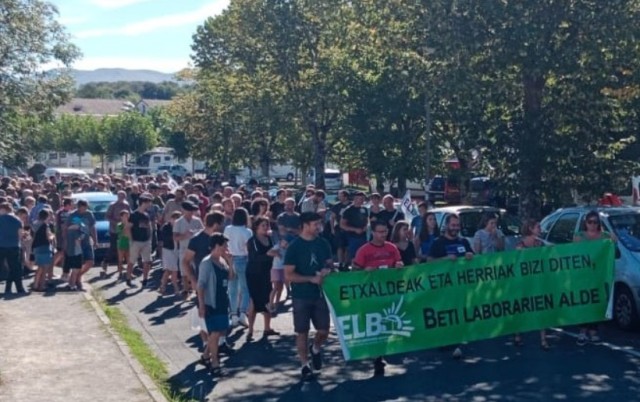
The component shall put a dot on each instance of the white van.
(332, 179)
(66, 172)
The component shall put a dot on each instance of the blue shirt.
(10, 226)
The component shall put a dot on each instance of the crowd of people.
(236, 249)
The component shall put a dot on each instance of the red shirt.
(372, 256)
(204, 206)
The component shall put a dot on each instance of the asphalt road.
(491, 370)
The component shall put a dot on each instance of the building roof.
(104, 107)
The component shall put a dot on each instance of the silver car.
(561, 226)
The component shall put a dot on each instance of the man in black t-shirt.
(277, 207)
(354, 222)
(340, 239)
(140, 245)
(451, 246)
(389, 214)
(199, 247)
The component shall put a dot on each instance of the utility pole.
(427, 159)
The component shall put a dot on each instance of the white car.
(173, 170)
(561, 226)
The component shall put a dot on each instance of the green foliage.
(128, 133)
(30, 37)
(542, 96)
(168, 133)
(131, 90)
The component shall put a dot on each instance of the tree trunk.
(320, 155)
(265, 164)
(530, 158)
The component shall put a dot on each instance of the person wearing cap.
(213, 298)
(185, 228)
(140, 245)
(354, 222)
(307, 261)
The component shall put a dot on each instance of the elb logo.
(388, 323)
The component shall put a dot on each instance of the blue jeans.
(353, 244)
(238, 289)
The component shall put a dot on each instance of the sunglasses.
(592, 221)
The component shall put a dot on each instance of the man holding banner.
(450, 245)
(306, 263)
(378, 254)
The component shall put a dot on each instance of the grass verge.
(152, 365)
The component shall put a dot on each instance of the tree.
(168, 133)
(31, 38)
(290, 42)
(76, 135)
(128, 133)
(540, 73)
(131, 90)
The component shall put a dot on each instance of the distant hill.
(119, 74)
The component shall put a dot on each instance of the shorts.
(169, 260)
(87, 252)
(43, 255)
(216, 322)
(140, 249)
(310, 310)
(277, 275)
(340, 239)
(72, 261)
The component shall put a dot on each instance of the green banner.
(441, 303)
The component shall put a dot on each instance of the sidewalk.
(54, 347)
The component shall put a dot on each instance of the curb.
(144, 378)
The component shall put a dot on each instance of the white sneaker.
(457, 353)
(234, 320)
(242, 320)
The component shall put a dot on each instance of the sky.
(135, 34)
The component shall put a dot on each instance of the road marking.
(625, 349)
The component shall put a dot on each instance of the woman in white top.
(488, 239)
(238, 235)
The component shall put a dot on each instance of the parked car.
(332, 178)
(561, 226)
(470, 217)
(443, 190)
(98, 204)
(66, 172)
(176, 171)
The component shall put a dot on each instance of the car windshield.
(470, 222)
(627, 228)
(99, 209)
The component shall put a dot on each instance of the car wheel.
(290, 177)
(625, 313)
